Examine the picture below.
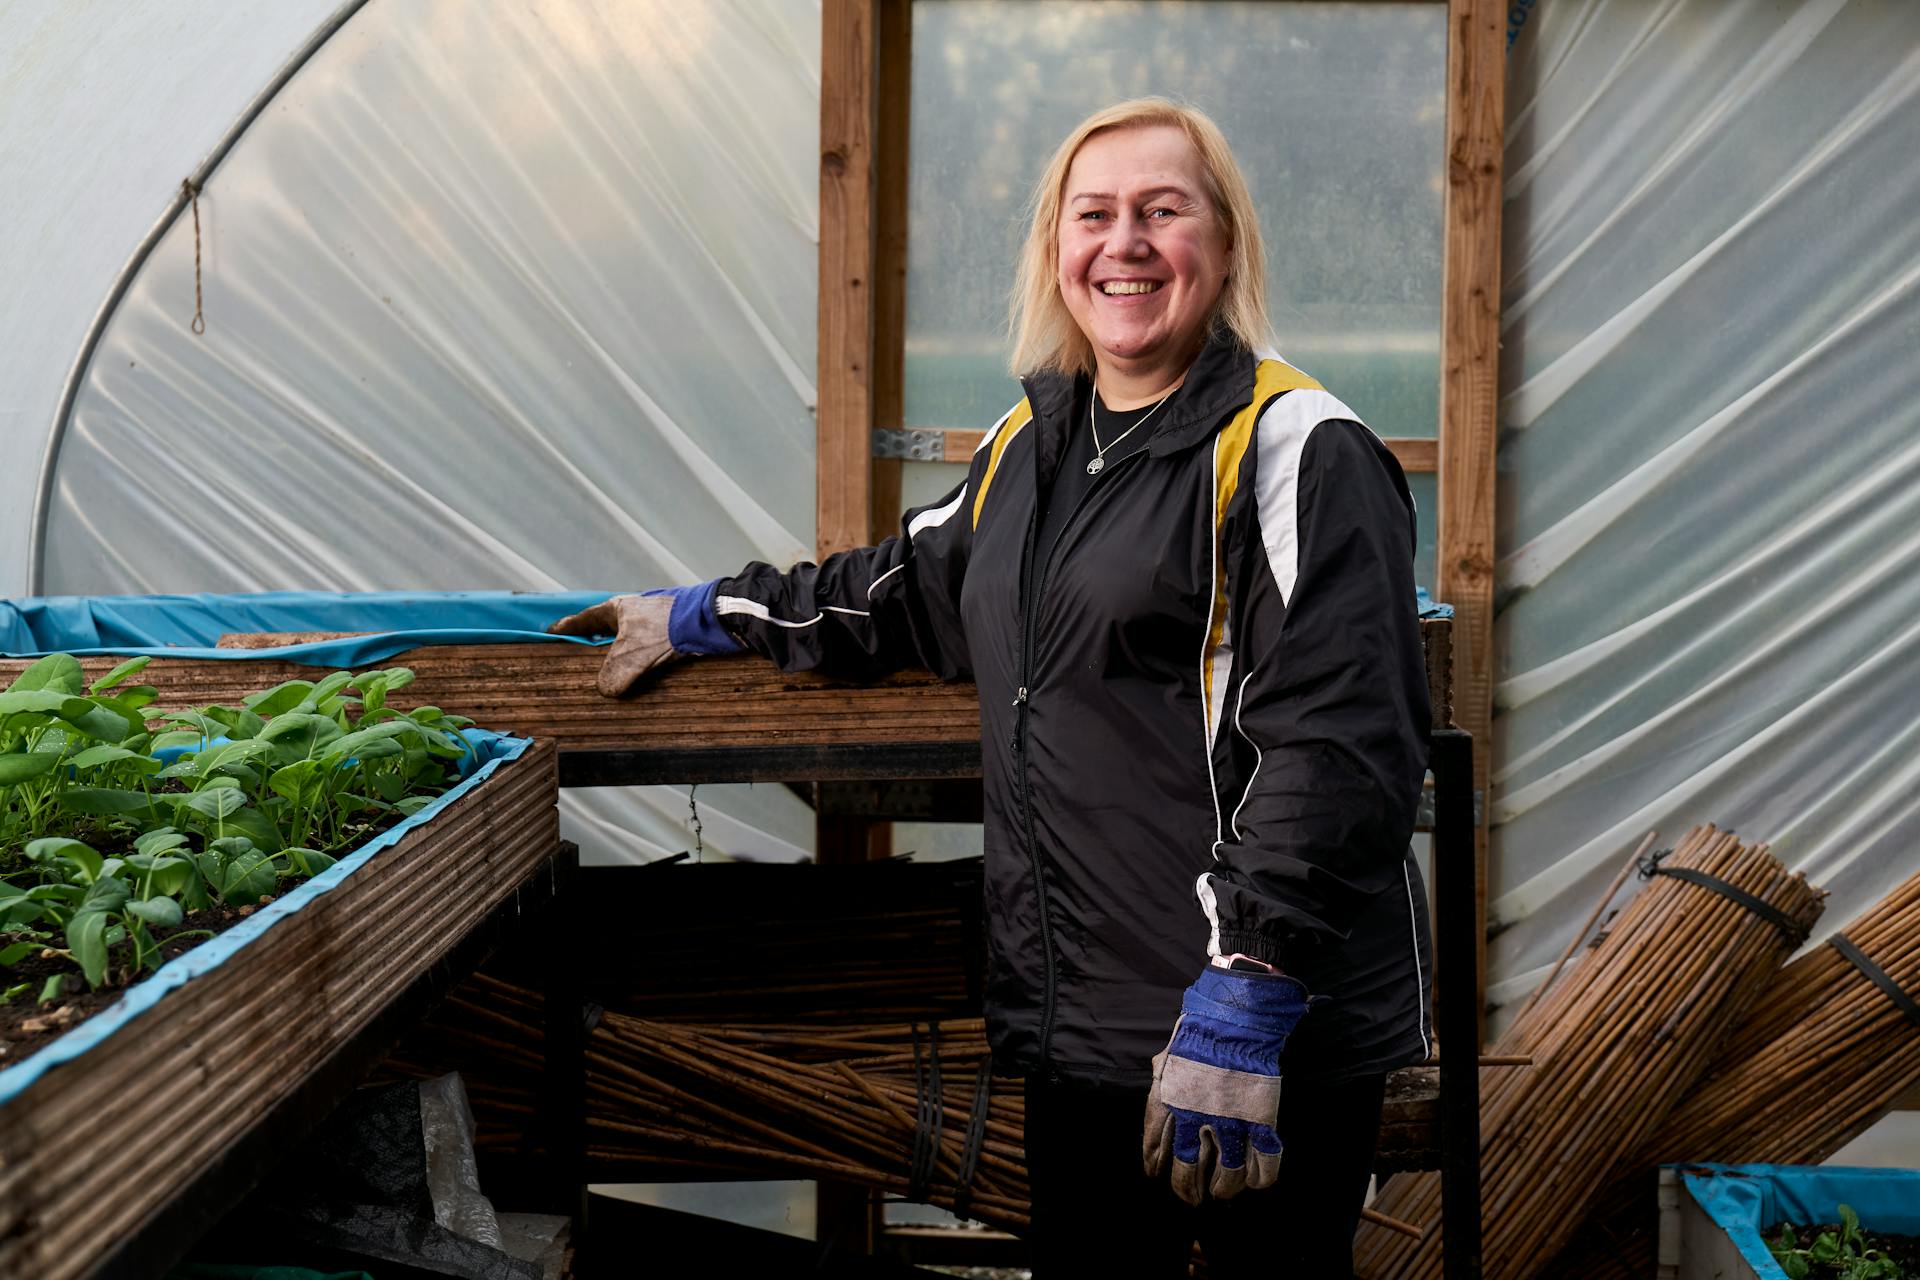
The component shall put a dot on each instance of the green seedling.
(218, 804)
(1843, 1256)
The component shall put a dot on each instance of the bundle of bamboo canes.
(1817, 1061)
(850, 1103)
(1614, 1045)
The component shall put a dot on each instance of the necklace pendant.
(1094, 468)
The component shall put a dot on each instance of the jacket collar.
(1219, 384)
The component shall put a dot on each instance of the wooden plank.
(98, 1148)
(1417, 454)
(714, 719)
(890, 247)
(1469, 370)
(844, 423)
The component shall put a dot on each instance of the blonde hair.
(1044, 333)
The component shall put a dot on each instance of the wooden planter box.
(133, 1107)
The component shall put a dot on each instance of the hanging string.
(693, 811)
(191, 189)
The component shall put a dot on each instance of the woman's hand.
(638, 625)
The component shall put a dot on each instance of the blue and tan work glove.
(648, 629)
(1216, 1088)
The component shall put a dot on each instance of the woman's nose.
(1128, 239)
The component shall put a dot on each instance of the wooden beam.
(890, 240)
(1469, 368)
(848, 49)
(1416, 453)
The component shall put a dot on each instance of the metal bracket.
(913, 446)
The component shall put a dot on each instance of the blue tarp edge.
(1745, 1199)
(496, 750)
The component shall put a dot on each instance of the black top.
(1071, 482)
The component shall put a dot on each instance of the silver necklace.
(1099, 462)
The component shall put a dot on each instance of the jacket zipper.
(1020, 703)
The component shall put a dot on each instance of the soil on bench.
(1902, 1249)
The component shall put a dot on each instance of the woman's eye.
(1092, 215)
(1161, 214)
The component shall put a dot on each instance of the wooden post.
(848, 52)
(890, 268)
(1469, 370)
(843, 469)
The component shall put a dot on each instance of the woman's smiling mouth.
(1122, 288)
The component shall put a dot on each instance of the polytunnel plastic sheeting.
(519, 299)
(1710, 451)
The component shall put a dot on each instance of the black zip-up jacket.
(1203, 713)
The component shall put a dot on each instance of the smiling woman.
(1203, 708)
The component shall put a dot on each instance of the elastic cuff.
(1252, 943)
(693, 627)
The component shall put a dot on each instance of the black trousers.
(1096, 1214)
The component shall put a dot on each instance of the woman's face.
(1143, 253)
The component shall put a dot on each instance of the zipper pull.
(1020, 698)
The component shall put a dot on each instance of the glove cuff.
(1258, 1001)
(693, 627)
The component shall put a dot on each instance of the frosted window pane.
(1336, 111)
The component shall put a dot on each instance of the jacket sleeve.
(1330, 696)
(871, 610)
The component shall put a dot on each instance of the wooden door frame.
(864, 83)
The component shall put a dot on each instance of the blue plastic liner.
(1745, 1199)
(190, 626)
(490, 750)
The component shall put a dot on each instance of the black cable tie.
(1877, 976)
(1794, 932)
(976, 1139)
(936, 1111)
(916, 1186)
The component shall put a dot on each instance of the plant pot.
(102, 1130)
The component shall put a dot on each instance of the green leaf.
(17, 767)
(108, 893)
(206, 726)
(215, 803)
(174, 739)
(58, 672)
(228, 754)
(329, 686)
(161, 913)
(94, 757)
(257, 827)
(303, 782)
(310, 862)
(59, 848)
(42, 702)
(87, 940)
(119, 673)
(106, 802)
(240, 722)
(299, 735)
(50, 990)
(414, 804)
(102, 722)
(170, 875)
(159, 840)
(17, 952)
(64, 893)
(280, 699)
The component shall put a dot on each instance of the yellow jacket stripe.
(996, 445)
(1271, 379)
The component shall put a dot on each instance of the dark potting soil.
(1902, 1249)
(26, 1024)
